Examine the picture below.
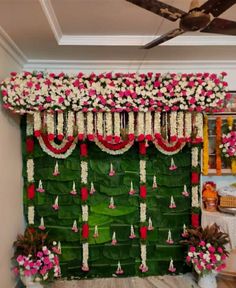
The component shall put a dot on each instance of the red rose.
(83, 150)
(149, 137)
(50, 136)
(60, 137)
(71, 138)
(131, 137)
(85, 230)
(84, 193)
(31, 191)
(195, 220)
(109, 138)
(100, 137)
(29, 145)
(90, 137)
(142, 148)
(195, 178)
(143, 232)
(143, 191)
(80, 137)
(157, 135)
(37, 133)
(173, 138)
(117, 139)
(141, 137)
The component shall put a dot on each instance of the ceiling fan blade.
(165, 37)
(221, 26)
(217, 7)
(162, 9)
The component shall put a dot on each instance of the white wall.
(11, 212)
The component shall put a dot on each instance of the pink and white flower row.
(228, 146)
(26, 92)
(40, 266)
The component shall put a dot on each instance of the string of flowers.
(148, 126)
(50, 126)
(143, 207)
(131, 126)
(218, 142)
(30, 160)
(60, 125)
(173, 126)
(230, 122)
(205, 146)
(117, 127)
(114, 92)
(80, 125)
(90, 127)
(180, 126)
(157, 124)
(84, 206)
(195, 180)
(188, 126)
(70, 125)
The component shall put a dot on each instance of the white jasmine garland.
(85, 213)
(199, 125)
(143, 209)
(30, 170)
(143, 254)
(90, 127)
(173, 122)
(188, 124)
(157, 123)
(140, 124)
(195, 198)
(131, 123)
(85, 254)
(80, 122)
(70, 123)
(84, 172)
(50, 123)
(194, 156)
(29, 125)
(37, 121)
(142, 169)
(180, 124)
(31, 214)
(60, 123)
(99, 123)
(148, 123)
(108, 123)
(117, 124)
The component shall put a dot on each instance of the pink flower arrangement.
(121, 92)
(228, 146)
(206, 249)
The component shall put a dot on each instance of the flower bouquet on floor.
(35, 259)
(206, 253)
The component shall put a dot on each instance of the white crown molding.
(128, 66)
(11, 48)
(139, 40)
(52, 18)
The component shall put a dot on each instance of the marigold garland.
(218, 142)
(205, 165)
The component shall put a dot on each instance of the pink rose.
(192, 249)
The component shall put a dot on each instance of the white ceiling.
(103, 30)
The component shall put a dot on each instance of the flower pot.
(208, 281)
(28, 281)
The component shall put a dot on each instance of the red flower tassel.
(29, 145)
(143, 191)
(141, 137)
(90, 137)
(143, 232)
(80, 137)
(83, 150)
(142, 148)
(131, 137)
(85, 230)
(195, 178)
(84, 193)
(195, 220)
(31, 191)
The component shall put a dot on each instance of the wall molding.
(11, 48)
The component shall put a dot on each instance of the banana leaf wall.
(103, 257)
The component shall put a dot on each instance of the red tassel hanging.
(195, 178)
(142, 148)
(31, 191)
(83, 150)
(29, 145)
(195, 220)
(143, 191)
(84, 193)
(143, 232)
(85, 230)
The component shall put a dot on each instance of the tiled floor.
(184, 281)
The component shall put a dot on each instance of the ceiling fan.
(197, 19)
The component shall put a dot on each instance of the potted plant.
(206, 253)
(35, 258)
